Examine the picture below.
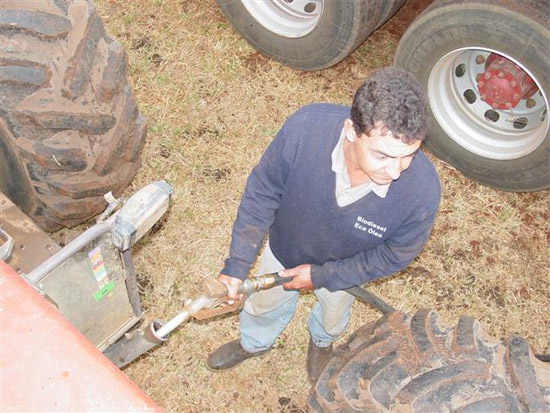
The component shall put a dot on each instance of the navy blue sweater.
(291, 195)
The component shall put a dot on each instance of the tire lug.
(530, 103)
(309, 8)
(480, 59)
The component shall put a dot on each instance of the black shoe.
(230, 355)
(317, 359)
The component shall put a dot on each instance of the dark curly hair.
(394, 97)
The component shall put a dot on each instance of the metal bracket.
(7, 245)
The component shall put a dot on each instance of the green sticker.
(103, 292)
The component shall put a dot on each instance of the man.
(346, 197)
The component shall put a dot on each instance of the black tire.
(70, 130)
(418, 364)
(500, 148)
(329, 38)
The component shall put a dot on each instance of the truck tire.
(418, 364)
(491, 138)
(307, 34)
(70, 130)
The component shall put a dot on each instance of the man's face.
(382, 157)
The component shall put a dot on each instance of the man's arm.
(259, 203)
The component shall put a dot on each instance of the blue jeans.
(267, 313)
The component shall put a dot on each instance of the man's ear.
(349, 130)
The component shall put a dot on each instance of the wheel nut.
(480, 59)
(530, 103)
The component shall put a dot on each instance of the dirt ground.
(213, 104)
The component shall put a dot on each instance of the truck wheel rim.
(458, 108)
(287, 18)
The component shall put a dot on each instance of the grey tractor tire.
(70, 130)
(418, 364)
(477, 146)
(341, 28)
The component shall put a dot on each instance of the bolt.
(530, 103)
(480, 59)
(478, 76)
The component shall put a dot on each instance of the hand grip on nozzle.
(216, 291)
(262, 282)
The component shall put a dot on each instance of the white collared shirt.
(345, 194)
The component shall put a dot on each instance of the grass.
(213, 104)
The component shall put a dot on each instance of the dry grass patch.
(213, 104)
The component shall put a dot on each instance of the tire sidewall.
(324, 46)
(482, 26)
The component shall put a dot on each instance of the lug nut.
(530, 103)
(480, 59)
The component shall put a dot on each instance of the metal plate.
(90, 291)
(32, 245)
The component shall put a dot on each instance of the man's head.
(392, 97)
(388, 123)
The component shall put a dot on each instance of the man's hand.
(301, 278)
(232, 285)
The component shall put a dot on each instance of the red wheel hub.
(504, 84)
